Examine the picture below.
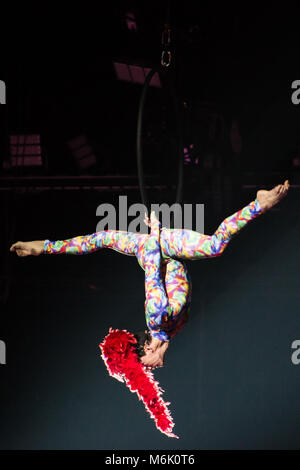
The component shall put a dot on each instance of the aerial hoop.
(139, 147)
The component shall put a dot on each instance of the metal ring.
(141, 176)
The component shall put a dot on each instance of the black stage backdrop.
(229, 374)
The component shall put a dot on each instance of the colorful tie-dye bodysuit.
(161, 254)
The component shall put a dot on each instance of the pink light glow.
(122, 72)
(155, 80)
(24, 139)
(130, 21)
(187, 155)
(135, 74)
(25, 150)
(28, 161)
(82, 151)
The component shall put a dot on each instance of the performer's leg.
(188, 244)
(123, 242)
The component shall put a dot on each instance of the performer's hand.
(147, 220)
(153, 221)
(22, 249)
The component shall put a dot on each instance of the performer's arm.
(154, 324)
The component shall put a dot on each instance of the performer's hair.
(142, 337)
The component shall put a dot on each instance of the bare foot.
(268, 199)
(34, 248)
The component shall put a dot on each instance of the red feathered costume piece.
(122, 362)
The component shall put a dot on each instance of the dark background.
(228, 375)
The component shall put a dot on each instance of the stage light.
(130, 21)
(25, 151)
(135, 74)
(188, 153)
(82, 152)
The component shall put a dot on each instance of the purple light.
(187, 155)
(122, 72)
(25, 150)
(82, 152)
(155, 80)
(130, 21)
(135, 74)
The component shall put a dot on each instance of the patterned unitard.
(161, 255)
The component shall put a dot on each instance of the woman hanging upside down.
(161, 254)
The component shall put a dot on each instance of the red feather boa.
(122, 362)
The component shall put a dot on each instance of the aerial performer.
(131, 357)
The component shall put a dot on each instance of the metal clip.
(166, 57)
